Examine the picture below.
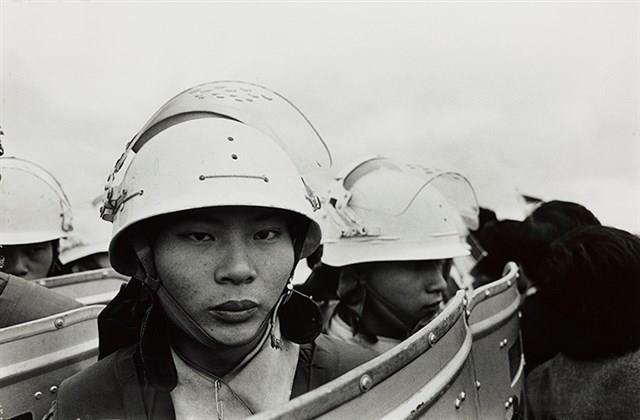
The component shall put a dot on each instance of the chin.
(235, 336)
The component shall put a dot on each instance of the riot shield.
(38, 355)
(429, 375)
(497, 350)
(88, 287)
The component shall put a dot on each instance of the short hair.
(593, 281)
(550, 221)
(500, 239)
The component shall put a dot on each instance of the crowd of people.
(213, 207)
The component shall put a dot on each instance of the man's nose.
(236, 266)
(17, 265)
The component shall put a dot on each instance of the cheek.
(43, 259)
(177, 269)
(275, 268)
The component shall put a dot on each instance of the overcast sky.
(538, 97)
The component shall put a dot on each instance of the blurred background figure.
(34, 215)
(592, 284)
(550, 221)
(87, 248)
(391, 233)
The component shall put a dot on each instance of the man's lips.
(233, 311)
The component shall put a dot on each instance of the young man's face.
(414, 289)
(29, 261)
(227, 266)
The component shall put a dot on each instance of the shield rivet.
(53, 389)
(59, 323)
(457, 403)
(507, 404)
(37, 395)
(478, 384)
(462, 396)
(365, 383)
(432, 338)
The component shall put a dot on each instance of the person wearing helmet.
(88, 247)
(210, 216)
(34, 215)
(393, 233)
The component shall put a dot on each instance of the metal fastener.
(432, 338)
(478, 384)
(509, 283)
(53, 389)
(37, 395)
(462, 396)
(487, 293)
(507, 404)
(468, 313)
(519, 315)
(365, 383)
(510, 400)
(457, 403)
(59, 323)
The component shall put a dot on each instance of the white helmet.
(380, 210)
(211, 146)
(90, 235)
(33, 205)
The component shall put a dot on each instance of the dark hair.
(500, 240)
(550, 221)
(593, 282)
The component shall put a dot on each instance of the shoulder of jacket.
(97, 391)
(340, 355)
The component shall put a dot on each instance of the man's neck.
(218, 360)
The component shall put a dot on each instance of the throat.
(217, 360)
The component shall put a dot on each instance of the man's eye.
(199, 236)
(266, 235)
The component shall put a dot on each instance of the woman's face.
(29, 261)
(227, 266)
(415, 289)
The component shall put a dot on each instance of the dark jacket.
(114, 387)
(566, 388)
(22, 300)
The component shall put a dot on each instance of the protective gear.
(212, 145)
(90, 236)
(228, 156)
(379, 210)
(34, 206)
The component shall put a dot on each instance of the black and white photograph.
(319, 209)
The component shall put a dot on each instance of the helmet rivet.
(487, 293)
(37, 395)
(457, 403)
(462, 396)
(478, 384)
(365, 383)
(234, 156)
(53, 389)
(59, 323)
(432, 338)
